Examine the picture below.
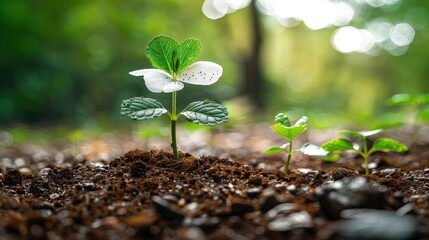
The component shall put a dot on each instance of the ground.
(225, 190)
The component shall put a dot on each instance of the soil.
(149, 195)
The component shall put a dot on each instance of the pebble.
(350, 193)
(25, 171)
(253, 192)
(191, 209)
(204, 222)
(268, 200)
(239, 208)
(89, 186)
(166, 209)
(384, 225)
(97, 177)
(143, 220)
(292, 221)
(291, 188)
(282, 209)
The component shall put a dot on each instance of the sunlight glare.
(402, 34)
(349, 39)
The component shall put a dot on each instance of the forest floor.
(222, 187)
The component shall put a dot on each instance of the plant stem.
(173, 125)
(365, 154)
(289, 156)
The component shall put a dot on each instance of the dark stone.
(253, 192)
(268, 200)
(41, 184)
(166, 209)
(13, 177)
(292, 221)
(376, 225)
(350, 193)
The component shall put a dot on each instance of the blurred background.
(65, 64)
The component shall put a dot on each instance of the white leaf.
(202, 73)
(173, 86)
(155, 79)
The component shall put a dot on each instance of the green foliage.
(166, 54)
(160, 52)
(140, 108)
(419, 105)
(208, 113)
(283, 127)
(380, 145)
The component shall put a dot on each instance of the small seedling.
(175, 64)
(380, 145)
(283, 127)
(419, 106)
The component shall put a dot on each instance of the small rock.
(268, 200)
(40, 186)
(26, 171)
(241, 207)
(292, 221)
(166, 209)
(291, 188)
(170, 198)
(191, 209)
(253, 192)
(13, 177)
(348, 194)
(282, 209)
(143, 220)
(204, 222)
(89, 186)
(97, 177)
(384, 225)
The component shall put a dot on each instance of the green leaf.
(338, 145)
(205, 113)
(401, 99)
(160, 52)
(387, 145)
(331, 158)
(140, 108)
(313, 150)
(273, 150)
(361, 133)
(289, 133)
(282, 119)
(185, 54)
(424, 114)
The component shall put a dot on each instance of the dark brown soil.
(148, 195)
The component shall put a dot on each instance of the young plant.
(284, 128)
(380, 145)
(175, 65)
(419, 106)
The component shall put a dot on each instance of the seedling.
(380, 145)
(283, 127)
(419, 106)
(175, 64)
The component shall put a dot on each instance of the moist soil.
(149, 195)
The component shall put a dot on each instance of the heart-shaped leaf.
(387, 145)
(289, 133)
(313, 150)
(273, 150)
(338, 145)
(185, 54)
(140, 108)
(160, 52)
(205, 112)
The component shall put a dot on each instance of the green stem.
(173, 125)
(289, 156)
(365, 155)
